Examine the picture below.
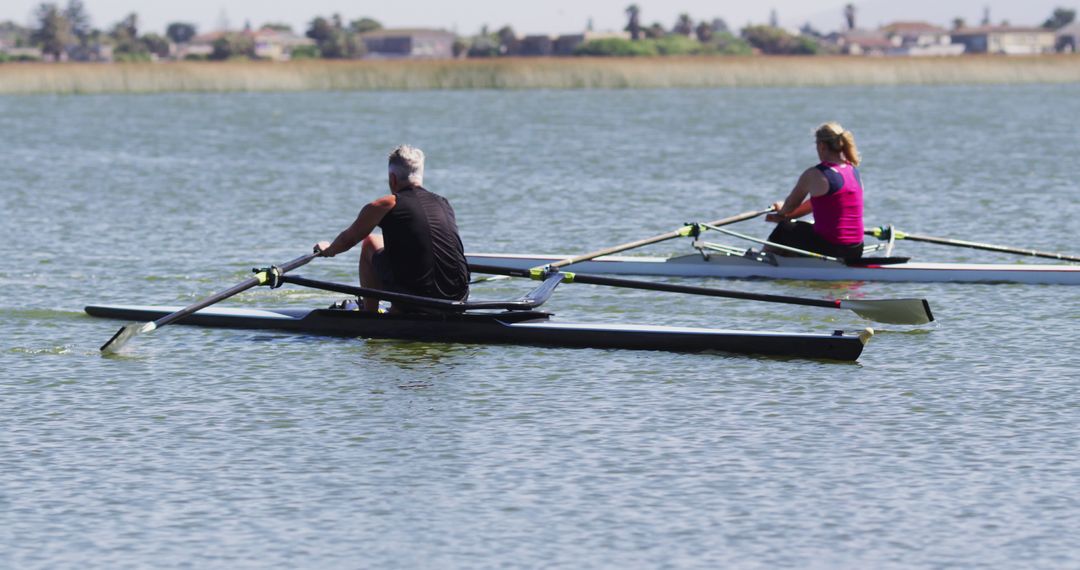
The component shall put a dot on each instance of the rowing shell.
(798, 268)
(513, 327)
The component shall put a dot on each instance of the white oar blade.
(893, 311)
(126, 333)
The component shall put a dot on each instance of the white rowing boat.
(796, 268)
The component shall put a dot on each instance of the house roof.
(866, 38)
(913, 28)
(980, 30)
(1072, 29)
(398, 32)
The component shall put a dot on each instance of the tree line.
(66, 33)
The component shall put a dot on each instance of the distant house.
(277, 45)
(200, 46)
(1068, 38)
(1005, 40)
(23, 53)
(411, 43)
(537, 45)
(862, 42)
(567, 43)
(96, 52)
(920, 39)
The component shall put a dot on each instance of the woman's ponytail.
(839, 140)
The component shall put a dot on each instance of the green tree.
(127, 29)
(125, 36)
(180, 32)
(849, 16)
(1060, 18)
(156, 44)
(333, 39)
(507, 39)
(703, 32)
(772, 40)
(277, 27)
(365, 25)
(655, 31)
(684, 26)
(329, 38)
(53, 33)
(461, 47)
(633, 12)
(78, 19)
(233, 46)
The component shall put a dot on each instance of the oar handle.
(261, 278)
(681, 232)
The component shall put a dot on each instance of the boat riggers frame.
(893, 311)
(889, 233)
(527, 302)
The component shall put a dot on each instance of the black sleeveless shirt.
(423, 247)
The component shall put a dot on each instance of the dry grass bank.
(534, 73)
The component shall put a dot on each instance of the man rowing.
(419, 251)
(835, 194)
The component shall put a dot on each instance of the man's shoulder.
(385, 202)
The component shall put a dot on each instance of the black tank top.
(423, 247)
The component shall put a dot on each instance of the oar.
(883, 233)
(684, 231)
(681, 232)
(262, 277)
(894, 311)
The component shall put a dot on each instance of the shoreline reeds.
(533, 73)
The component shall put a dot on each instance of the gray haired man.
(419, 251)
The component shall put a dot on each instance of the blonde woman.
(833, 192)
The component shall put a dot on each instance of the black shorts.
(380, 262)
(801, 235)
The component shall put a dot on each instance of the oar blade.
(126, 333)
(892, 311)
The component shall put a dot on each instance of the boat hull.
(526, 328)
(722, 266)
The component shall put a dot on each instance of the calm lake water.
(950, 445)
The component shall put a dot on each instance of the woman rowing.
(835, 197)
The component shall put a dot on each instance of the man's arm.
(365, 222)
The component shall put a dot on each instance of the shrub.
(305, 52)
(677, 44)
(131, 57)
(726, 43)
(617, 47)
(772, 40)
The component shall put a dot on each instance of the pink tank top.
(838, 215)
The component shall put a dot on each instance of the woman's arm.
(796, 205)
